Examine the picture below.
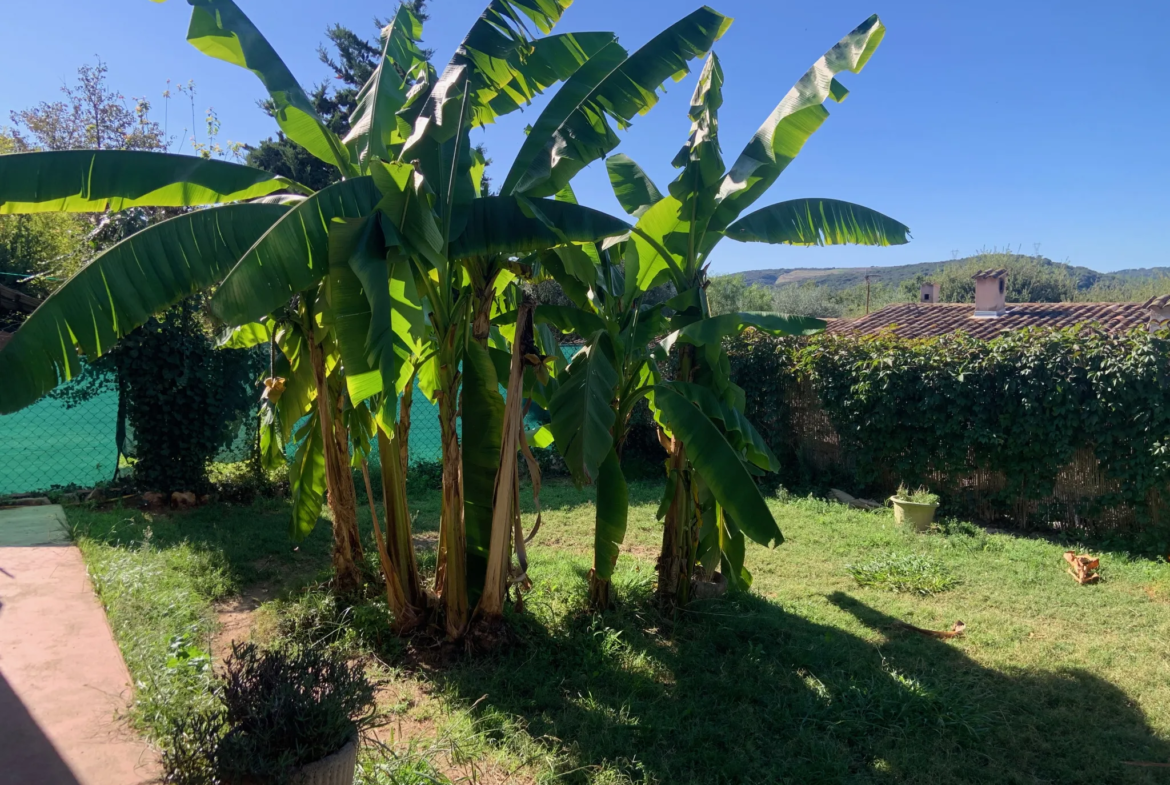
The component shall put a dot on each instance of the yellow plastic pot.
(916, 516)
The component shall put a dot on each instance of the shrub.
(275, 710)
(1020, 405)
(424, 476)
(183, 398)
(903, 573)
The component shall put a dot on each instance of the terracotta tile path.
(63, 685)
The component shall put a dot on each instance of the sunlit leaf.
(574, 129)
(797, 117)
(221, 30)
(121, 289)
(292, 255)
(818, 222)
(306, 480)
(93, 181)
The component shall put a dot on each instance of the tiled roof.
(12, 300)
(914, 320)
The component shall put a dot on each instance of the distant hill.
(837, 278)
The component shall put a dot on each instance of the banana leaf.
(483, 419)
(582, 416)
(716, 328)
(719, 465)
(221, 30)
(818, 222)
(306, 479)
(634, 189)
(93, 181)
(574, 130)
(509, 224)
(292, 255)
(121, 289)
(613, 507)
(796, 118)
(374, 124)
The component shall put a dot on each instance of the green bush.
(184, 399)
(275, 710)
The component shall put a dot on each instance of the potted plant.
(914, 508)
(284, 716)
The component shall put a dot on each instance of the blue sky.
(978, 125)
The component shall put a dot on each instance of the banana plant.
(591, 402)
(711, 501)
(238, 208)
(434, 230)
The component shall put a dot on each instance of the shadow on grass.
(742, 691)
(251, 541)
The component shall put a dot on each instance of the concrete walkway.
(63, 684)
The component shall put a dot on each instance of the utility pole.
(867, 277)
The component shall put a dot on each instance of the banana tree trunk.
(402, 432)
(397, 555)
(673, 579)
(395, 597)
(506, 495)
(673, 561)
(341, 494)
(452, 569)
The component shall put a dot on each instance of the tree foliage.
(1031, 279)
(92, 117)
(729, 294)
(183, 398)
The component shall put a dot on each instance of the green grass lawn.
(806, 679)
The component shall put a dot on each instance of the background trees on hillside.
(1031, 279)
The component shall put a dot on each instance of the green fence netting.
(68, 437)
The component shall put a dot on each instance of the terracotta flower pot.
(916, 516)
(335, 769)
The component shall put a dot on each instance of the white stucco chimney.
(990, 293)
(929, 292)
(1159, 310)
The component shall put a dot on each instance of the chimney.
(1159, 310)
(990, 293)
(929, 292)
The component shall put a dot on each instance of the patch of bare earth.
(646, 552)
(236, 617)
(1157, 593)
(414, 724)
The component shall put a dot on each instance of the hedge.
(1021, 406)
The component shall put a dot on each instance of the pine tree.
(352, 61)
